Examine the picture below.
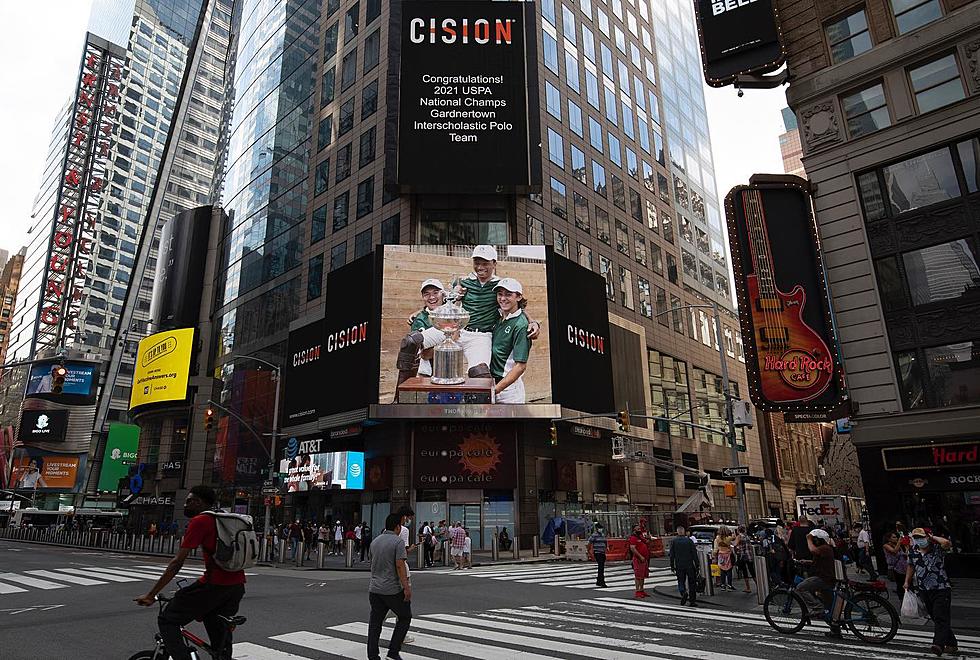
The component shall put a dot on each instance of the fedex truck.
(831, 509)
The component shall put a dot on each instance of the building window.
(599, 178)
(330, 41)
(372, 50)
(848, 36)
(603, 230)
(595, 134)
(367, 147)
(571, 69)
(365, 197)
(341, 211)
(622, 238)
(640, 249)
(362, 243)
(338, 256)
(676, 315)
(941, 376)
(535, 231)
(672, 269)
(322, 176)
(921, 181)
(578, 165)
(585, 256)
(327, 87)
(560, 243)
(348, 70)
(866, 110)
(581, 211)
(606, 270)
(372, 10)
(652, 222)
(575, 119)
(618, 192)
(559, 200)
(369, 100)
(646, 304)
(314, 277)
(552, 100)
(636, 207)
(346, 123)
(913, 14)
(936, 83)
(550, 52)
(390, 230)
(325, 133)
(343, 163)
(350, 22)
(662, 310)
(942, 272)
(556, 149)
(319, 224)
(625, 287)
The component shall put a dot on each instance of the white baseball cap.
(432, 282)
(487, 252)
(820, 534)
(510, 284)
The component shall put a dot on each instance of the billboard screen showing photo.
(465, 125)
(465, 325)
(339, 469)
(79, 386)
(35, 469)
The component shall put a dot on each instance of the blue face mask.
(921, 542)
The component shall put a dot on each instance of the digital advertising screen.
(80, 384)
(302, 398)
(34, 469)
(42, 426)
(120, 453)
(162, 369)
(342, 469)
(465, 124)
(738, 37)
(458, 324)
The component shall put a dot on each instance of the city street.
(59, 603)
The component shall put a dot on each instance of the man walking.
(457, 542)
(684, 563)
(927, 564)
(597, 544)
(390, 589)
(864, 551)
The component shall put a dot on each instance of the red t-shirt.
(641, 547)
(202, 531)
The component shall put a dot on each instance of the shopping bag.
(715, 570)
(913, 609)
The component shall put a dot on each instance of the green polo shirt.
(481, 302)
(421, 321)
(509, 344)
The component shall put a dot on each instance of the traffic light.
(554, 435)
(208, 419)
(58, 379)
(730, 489)
(624, 420)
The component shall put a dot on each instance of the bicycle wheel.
(871, 618)
(785, 611)
(144, 655)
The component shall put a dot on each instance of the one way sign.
(740, 471)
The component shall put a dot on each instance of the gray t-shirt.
(385, 551)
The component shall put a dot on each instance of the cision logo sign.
(465, 124)
(303, 374)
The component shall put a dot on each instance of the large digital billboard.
(42, 426)
(791, 349)
(120, 452)
(79, 387)
(339, 469)
(34, 469)
(495, 350)
(738, 37)
(303, 372)
(162, 369)
(464, 120)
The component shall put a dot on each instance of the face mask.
(189, 512)
(921, 542)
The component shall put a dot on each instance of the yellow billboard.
(163, 364)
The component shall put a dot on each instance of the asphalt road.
(59, 603)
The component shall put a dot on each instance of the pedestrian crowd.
(321, 538)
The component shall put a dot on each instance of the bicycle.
(867, 615)
(159, 652)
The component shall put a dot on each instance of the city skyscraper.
(790, 147)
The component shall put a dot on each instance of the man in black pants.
(597, 543)
(684, 562)
(390, 589)
(217, 593)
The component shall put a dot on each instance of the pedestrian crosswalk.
(619, 576)
(85, 576)
(604, 627)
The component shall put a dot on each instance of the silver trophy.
(448, 359)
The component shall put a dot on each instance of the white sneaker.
(409, 640)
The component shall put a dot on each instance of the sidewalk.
(480, 558)
(965, 611)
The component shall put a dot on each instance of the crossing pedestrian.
(295, 536)
(640, 556)
(429, 548)
(684, 563)
(897, 560)
(467, 550)
(357, 536)
(744, 557)
(927, 566)
(323, 538)
(864, 548)
(597, 544)
(365, 540)
(724, 556)
(338, 538)
(457, 540)
(309, 537)
(390, 589)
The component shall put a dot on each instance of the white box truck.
(833, 510)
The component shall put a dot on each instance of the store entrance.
(469, 515)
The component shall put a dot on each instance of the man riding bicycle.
(819, 587)
(217, 593)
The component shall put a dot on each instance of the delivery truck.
(834, 510)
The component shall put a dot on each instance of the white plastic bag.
(913, 609)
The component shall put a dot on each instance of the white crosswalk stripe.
(618, 577)
(591, 628)
(86, 576)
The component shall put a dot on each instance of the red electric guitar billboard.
(791, 351)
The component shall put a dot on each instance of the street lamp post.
(277, 373)
(726, 390)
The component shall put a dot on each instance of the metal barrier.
(517, 546)
(349, 553)
(704, 557)
(494, 548)
(446, 559)
(535, 550)
(557, 545)
(761, 564)
(299, 553)
(282, 550)
(321, 555)
(420, 556)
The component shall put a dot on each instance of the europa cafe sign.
(784, 309)
(83, 182)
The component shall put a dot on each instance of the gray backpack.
(237, 547)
